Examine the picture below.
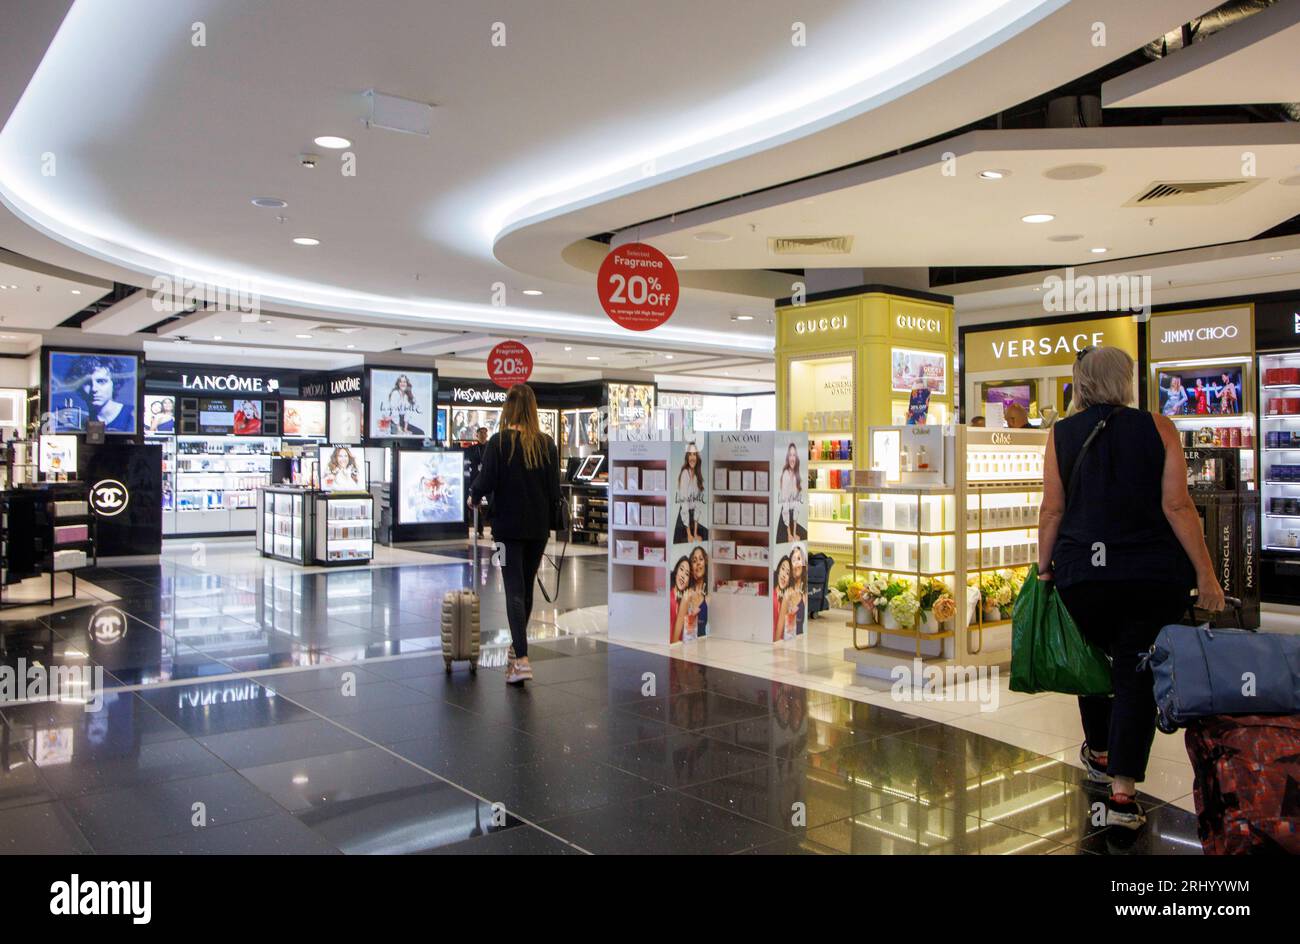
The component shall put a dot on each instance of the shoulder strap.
(1083, 450)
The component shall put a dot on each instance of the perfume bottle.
(922, 460)
(904, 459)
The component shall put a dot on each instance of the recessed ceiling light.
(332, 141)
(1099, 249)
(993, 174)
(269, 203)
(742, 317)
(568, 347)
(1037, 218)
(303, 337)
(76, 291)
(216, 337)
(593, 357)
(1275, 258)
(351, 346)
(306, 240)
(677, 256)
(1038, 288)
(712, 236)
(668, 357)
(532, 291)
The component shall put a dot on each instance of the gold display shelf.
(881, 630)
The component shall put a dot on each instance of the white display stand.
(656, 526)
(752, 547)
(975, 515)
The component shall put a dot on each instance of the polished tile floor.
(269, 710)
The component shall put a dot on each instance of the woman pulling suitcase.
(521, 470)
(1125, 547)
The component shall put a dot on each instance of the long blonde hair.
(520, 414)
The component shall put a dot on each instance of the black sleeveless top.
(1118, 504)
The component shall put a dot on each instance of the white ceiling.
(1223, 271)
(1253, 61)
(160, 151)
(920, 208)
(38, 296)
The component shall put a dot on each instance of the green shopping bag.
(1048, 653)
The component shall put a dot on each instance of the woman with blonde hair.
(1121, 539)
(521, 471)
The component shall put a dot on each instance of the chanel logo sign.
(109, 497)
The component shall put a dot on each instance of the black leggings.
(1123, 617)
(519, 575)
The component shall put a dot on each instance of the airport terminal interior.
(798, 291)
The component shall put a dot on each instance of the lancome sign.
(232, 383)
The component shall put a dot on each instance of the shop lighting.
(532, 291)
(993, 174)
(269, 203)
(1037, 218)
(593, 357)
(568, 347)
(1099, 249)
(303, 337)
(333, 142)
(76, 291)
(306, 241)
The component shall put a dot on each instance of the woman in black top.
(521, 471)
(1124, 554)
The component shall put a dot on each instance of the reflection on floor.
(310, 712)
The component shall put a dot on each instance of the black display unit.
(400, 531)
(125, 493)
(1230, 516)
(588, 501)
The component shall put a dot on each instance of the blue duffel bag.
(1201, 671)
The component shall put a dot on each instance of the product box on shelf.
(626, 550)
(724, 550)
(733, 513)
(618, 477)
(653, 554)
(746, 514)
(633, 478)
(620, 512)
(734, 480)
(760, 514)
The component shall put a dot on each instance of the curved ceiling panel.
(148, 157)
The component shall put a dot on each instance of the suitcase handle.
(1229, 603)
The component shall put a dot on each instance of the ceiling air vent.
(1163, 193)
(809, 245)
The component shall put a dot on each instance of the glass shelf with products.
(344, 528)
(214, 475)
(1280, 473)
(905, 561)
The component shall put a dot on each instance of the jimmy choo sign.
(1212, 333)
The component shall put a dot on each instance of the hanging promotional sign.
(509, 363)
(637, 286)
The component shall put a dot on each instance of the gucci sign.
(821, 325)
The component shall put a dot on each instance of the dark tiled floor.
(327, 744)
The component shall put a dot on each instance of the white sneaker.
(519, 672)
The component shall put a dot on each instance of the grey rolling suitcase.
(460, 623)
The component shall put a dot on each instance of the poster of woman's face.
(466, 423)
(159, 415)
(401, 404)
(342, 469)
(85, 387)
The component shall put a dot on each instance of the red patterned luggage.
(1247, 789)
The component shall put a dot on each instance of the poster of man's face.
(86, 387)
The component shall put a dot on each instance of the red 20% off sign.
(637, 286)
(509, 363)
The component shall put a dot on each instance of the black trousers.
(519, 575)
(1123, 617)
